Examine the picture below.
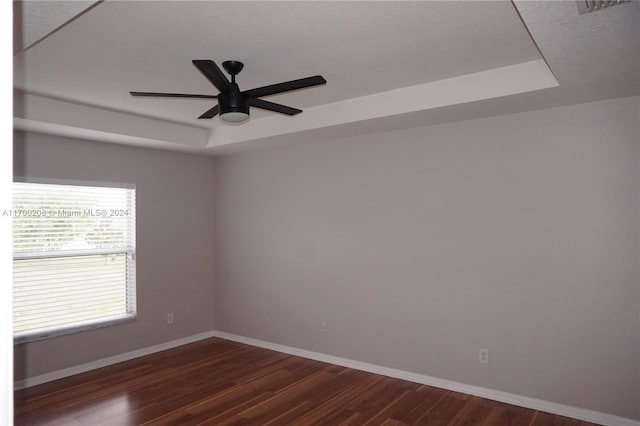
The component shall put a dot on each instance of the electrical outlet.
(170, 318)
(483, 356)
(323, 326)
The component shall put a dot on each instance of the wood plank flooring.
(218, 382)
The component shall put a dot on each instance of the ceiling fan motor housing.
(233, 101)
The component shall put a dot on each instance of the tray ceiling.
(384, 61)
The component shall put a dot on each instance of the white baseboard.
(93, 365)
(509, 398)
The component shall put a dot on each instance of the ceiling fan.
(233, 104)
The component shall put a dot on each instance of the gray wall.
(174, 244)
(516, 233)
(417, 247)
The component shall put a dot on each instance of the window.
(73, 257)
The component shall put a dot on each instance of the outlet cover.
(483, 356)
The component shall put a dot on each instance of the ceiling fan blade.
(210, 113)
(271, 106)
(285, 87)
(172, 95)
(214, 74)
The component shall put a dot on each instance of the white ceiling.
(35, 20)
(388, 64)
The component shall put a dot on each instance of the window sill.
(73, 328)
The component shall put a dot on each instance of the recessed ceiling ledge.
(62, 118)
(493, 83)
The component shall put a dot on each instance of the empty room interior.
(319, 212)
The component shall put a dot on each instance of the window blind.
(74, 257)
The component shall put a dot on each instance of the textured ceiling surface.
(34, 20)
(359, 47)
(369, 52)
(593, 56)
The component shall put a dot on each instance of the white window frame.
(80, 326)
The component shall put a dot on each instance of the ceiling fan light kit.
(234, 107)
(233, 104)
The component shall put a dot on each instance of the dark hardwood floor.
(216, 381)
